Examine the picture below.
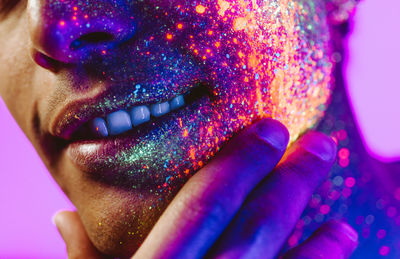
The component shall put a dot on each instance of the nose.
(67, 30)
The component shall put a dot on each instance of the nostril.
(46, 62)
(91, 39)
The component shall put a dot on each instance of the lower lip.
(144, 150)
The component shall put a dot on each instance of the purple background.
(29, 197)
(372, 74)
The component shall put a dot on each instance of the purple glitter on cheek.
(256, 59)
(259, 58)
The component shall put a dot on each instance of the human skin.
(44, 79)
(225, 220)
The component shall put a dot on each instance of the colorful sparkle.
(259, 59)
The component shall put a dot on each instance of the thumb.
(72, 231)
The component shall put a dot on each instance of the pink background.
(29, 197)
(372, 74)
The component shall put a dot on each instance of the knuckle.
(300, 173)
(305, 169)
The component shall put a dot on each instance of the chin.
(117, 220)
(118, 226)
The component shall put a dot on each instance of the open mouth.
(124, 121)
(142, 139)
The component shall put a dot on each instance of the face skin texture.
(251, 59)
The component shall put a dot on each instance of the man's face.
(74, 72)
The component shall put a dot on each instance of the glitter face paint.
(260, 58)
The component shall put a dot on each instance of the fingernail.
(273, 132)
(55, 215)
(345, 229)
(319, 145)
(53, 218)
(56, 221)
(350, 232)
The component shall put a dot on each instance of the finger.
(333, 240)
(72, 231)
(271, 211)
(208, 201)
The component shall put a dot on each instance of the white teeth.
(159, 109)
(139, 115)
(177, 102)
(121, 121)
(118, 122)
(99, 127)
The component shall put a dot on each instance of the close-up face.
(124, 100)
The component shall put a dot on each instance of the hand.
(243, 204)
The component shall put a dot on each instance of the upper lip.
(79, 111)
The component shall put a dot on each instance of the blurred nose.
(69, 30)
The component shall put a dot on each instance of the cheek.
(19, 74)
(15, 70)
(267, 59)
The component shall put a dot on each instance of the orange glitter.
(185, 133)
(192, 153)
(200, 9)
